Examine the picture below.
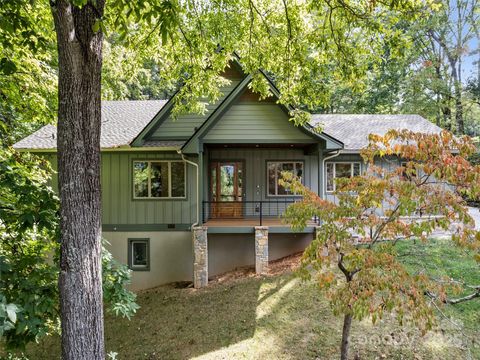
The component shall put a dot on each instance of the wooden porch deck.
(247, 225)
(254, 221)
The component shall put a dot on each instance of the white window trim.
(149, 184)
(335, 172)
(276, 176)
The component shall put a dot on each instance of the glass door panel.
(227, 182)
(226, 189)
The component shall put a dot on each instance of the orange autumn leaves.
(413, 186)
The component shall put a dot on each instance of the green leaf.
(96, 26)
(79, 3)
(12, 312)
(7, 66)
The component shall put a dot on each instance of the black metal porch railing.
(250, 211)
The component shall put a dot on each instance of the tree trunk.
(457, 93)
(78, 144)
(347, 319)
(347, 324)
(459, 107)
(447, 116)
(455, 61)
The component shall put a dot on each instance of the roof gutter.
(197, 184)
(324, 192)
(113, 149)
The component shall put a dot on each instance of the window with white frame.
(337, 170)
(274, 173)
(139, 254)
(159, 179)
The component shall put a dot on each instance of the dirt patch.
(182, 284)
(287, 263)
(275, 267)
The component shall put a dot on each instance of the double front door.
(226, 189)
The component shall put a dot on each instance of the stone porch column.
(200, 256)
(261, 249)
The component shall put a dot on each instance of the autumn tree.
(372, 211)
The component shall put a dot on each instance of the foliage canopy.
(29, 254)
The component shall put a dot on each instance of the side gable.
(122, 121)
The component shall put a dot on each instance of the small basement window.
(336, 170)
(139, 254)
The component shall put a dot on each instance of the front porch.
(244, 216)
(241, 188)
(242, 196)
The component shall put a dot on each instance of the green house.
(188, 198)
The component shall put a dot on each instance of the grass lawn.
(279, 317)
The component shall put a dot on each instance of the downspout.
(324, 185)
(198, 190)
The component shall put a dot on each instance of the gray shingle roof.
(353, 130)
(122, 121)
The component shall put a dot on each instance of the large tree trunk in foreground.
(347, 324)
(78, 143)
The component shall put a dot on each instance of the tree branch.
(474, 295)
(455, 301)
(265, 24)
(348, 274)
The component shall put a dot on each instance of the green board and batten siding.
(184, 126)
(250, 122)
(119, 209)
(255, 161)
